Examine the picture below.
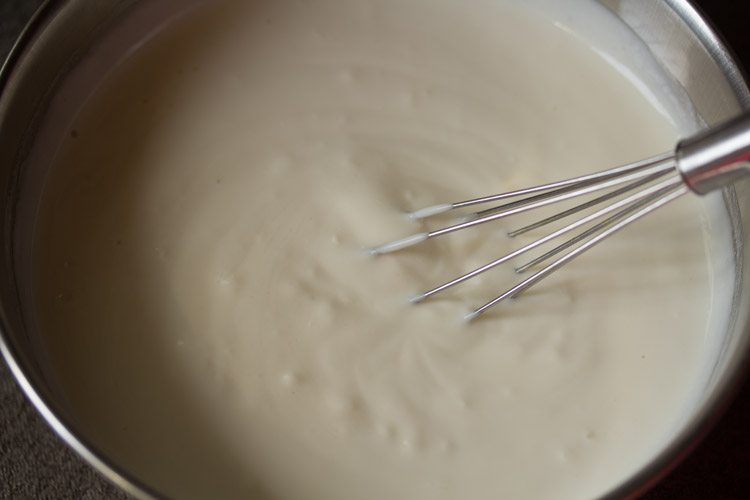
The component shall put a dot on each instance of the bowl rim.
(635, 485)
(688, 439)
(48, 409)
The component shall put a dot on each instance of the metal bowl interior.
(63, 32)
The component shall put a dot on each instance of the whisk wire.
(577, 181)
(636, 200)
(588, 204)
(534, 202)
(635, 204)
(658, 168)
(678, 191)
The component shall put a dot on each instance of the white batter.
(219, 331)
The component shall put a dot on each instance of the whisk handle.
(717, 157)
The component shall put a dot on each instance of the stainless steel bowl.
(62, 32)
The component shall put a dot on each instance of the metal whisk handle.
(717, 157)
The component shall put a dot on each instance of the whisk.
(703, 163)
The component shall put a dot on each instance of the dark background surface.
(35, 464)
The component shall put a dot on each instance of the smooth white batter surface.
(219, 331)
